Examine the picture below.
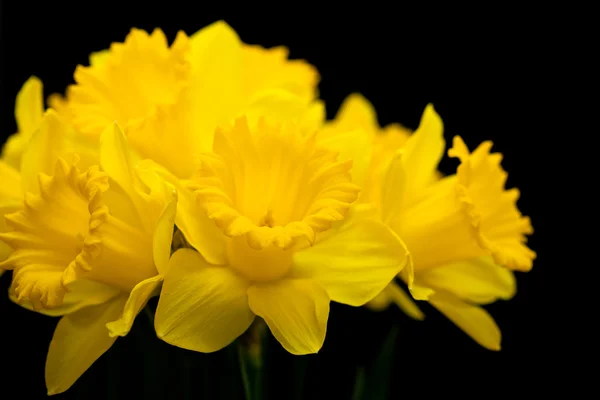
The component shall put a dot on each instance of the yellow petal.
(54, 139)
(29, 108)
(357, 112)
(82, 293)
(393, 188)
(202, 307)
(116, 159)
(296, 311)
(148, 199)
(99, 57)
(10, 189)
(191, 219)
(423, 152)
(380, 302)
(10, 202)
(355, 263)
(163, 236)
(270, 68)
(473, 320)
(352, 134)
(479, 280)
(403, 301)
(281, 105)
(42, 152)
(78, 341)
(138, 298)
(216, 58)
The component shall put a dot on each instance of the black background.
(482, 75)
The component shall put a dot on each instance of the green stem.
(243, 368)
(359, 384)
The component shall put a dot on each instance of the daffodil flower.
(282, 239)
(22, 156)
(91, 243)
(169, 100)
(464, 232)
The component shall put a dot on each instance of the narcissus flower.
(91, 243)
(169, 99)
(464, 232)
(33, 149)
(285, 239)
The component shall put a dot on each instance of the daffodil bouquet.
(205, 173)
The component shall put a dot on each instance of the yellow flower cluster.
(281, 211)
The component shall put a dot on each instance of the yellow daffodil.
(22, 156)
(169, 100)
(282, 239)
(464, 232)
(91, 242)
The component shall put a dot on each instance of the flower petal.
(78, 341)
(29, 109)
(82, 293)
(202, 307)
(52, 140)
(116, 158)
(29, 106)
(393, 188)
(404, 302)
(163, 235)
(191, 219)
(137, 300)
(6, 207)
(281, 105)
(42, 151)
(473, 320)
(216, 56)
(10, 190)
(423, 151)
(355, 263)
(296, 311)
(271, 68)
(352, 133)
(479, 280)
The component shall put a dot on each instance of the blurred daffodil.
(91, 242)
(284, 241)
(169, 99)
(464, 232)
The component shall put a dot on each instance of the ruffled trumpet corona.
(286, 240)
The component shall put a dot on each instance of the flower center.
(271, 189)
